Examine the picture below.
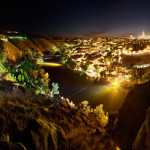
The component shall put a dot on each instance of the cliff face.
(131, 115)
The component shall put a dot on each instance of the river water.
(78, 88)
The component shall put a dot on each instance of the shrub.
(31, 75)
(55, 88)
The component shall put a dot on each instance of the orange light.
(115, 83)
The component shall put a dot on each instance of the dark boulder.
(131, 115)
(41, 135)
(56, 99)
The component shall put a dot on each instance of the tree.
(85, 66)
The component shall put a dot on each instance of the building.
(143, 36)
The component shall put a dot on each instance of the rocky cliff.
(131, 115)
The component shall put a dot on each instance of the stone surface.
(11, 146)
(142, 141)
(56, 99)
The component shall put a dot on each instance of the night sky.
(76, 17)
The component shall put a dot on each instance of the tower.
(143, 34)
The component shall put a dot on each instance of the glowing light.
(50, 64)
(140, 52)
(108, 63)
(18, 37)
(115, 84)
(117, 148)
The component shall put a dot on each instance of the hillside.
(12, 53)
(62, 125)
(14, 48)
(33, 116)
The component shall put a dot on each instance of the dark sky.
(88, 17)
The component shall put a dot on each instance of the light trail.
(79, 91)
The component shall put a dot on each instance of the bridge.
(51, 57)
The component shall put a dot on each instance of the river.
(77, 88)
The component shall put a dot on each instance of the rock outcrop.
(11, 146)
(56, 99)
(41, 135)
(131, 115)
(142, 141)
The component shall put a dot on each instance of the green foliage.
(32, 76)
(38, 55)
(63, 58)
(51, 51)
(26, 76)
(70, 63)
(3, 69)
(19, 78)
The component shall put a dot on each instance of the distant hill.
(14, 48)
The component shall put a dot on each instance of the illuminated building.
(143, 36)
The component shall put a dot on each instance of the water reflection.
(78, 88)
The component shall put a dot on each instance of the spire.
(143, 34)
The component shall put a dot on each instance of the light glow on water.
(98, 90)
(50, 64)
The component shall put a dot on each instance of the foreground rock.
(131, 116)
(142, 141)
(56, 99)
(41, 135)
(11, 146)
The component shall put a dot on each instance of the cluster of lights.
(136, 53)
